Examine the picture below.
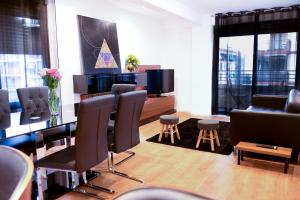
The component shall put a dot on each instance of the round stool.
(168, 124)
(208, 131)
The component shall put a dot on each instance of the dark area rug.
(189, 134)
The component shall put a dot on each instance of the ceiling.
(221, 6)
(192, 11)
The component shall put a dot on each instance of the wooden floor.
(212, 175)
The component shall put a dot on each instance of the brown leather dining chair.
(4, 110)
(16, 171)
(118, 89)
(34, 102)
(90, 146)
(25, 143)
(123, 133)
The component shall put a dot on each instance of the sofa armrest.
(274, 128)
(275, 102)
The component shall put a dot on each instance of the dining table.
(24, 128)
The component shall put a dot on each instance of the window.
(255, 52)
(276, 63)
(23, 46)
(235, 72)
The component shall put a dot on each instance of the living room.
(234, 75)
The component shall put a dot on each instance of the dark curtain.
(24, 47)
(275, 61)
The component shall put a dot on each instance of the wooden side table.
(251, 147)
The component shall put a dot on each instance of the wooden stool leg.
(217, 137)
(199, 138)
(161, 132)
(172, 134)
(211, 136)
(205, 136)
(177, 132)
(166, 130)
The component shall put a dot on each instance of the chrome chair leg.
(96, 187)
(86, 193)
(41, 182)
(126, 176)
(77, 188)
(131, 154)
(112, 170)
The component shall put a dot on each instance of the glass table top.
(27, 123)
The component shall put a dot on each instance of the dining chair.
(16, 170)
(90, 146)
(118, 89)
(24, 143)
(4, 110)
(123, 134)
(34, 102)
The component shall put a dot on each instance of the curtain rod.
(263, 10)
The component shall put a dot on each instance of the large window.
(235, 72)
(276, 63)
(23, 45)
(255, 52)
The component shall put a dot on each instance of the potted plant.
(132, 62)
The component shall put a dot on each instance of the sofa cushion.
(293, 102)
(263, 109)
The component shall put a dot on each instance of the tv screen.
(160, 81)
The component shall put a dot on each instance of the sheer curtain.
(23, 45)
(235, 73)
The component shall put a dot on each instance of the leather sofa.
(273, 120)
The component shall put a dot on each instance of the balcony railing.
(263, 77)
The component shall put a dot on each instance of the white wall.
(136, 34)
(202, 55)
(185, 48)
(178, 56)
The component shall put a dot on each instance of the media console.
(99, 84)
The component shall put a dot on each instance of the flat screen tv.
(160, 81)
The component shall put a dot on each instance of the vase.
(130, 67)
(53, 120)
(53, 101)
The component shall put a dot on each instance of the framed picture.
(99, 46)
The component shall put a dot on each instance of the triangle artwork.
(105, 58)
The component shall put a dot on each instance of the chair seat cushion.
(208, 124)
(64, 159)
(169, 119)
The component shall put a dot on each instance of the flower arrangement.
(132, 62)
(51, 77)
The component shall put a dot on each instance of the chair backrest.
(126, 130)
(4, 110)
(91, 131)
(16, 172)
(34, 99)
(118, 89)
